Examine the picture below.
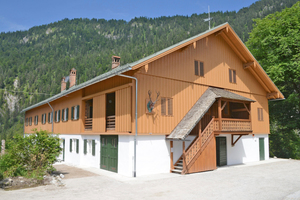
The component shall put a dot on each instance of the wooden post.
(171, 156)
(220, 114)
(183, 158)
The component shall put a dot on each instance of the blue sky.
(22, 15)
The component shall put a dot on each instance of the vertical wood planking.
(99, 107)
(123, 110)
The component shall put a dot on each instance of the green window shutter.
(77, 145)
(85, 146)
(55, 117)
(70, 145)
(48, 117)
(62, 115)
(77, 114)
(37, 119)
(72, 113)
(58, 116)
(93, 147)
(67, 114)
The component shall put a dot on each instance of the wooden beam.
(233, 47)
(247, 108)
(272, 94)
(220, 114)
(224, 105)
(259, 80)
(239, 110)
(183, 158)
(171, 156)
(195, 45)
(234, 142)
(247, 65)
(219, 32)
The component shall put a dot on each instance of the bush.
(30, 156)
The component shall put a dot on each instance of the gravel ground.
(272, 179)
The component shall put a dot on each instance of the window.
(74, 145)
(167, 106)
(30, 121)
(65, 114)
(75, 112)
(26, 122)
(50, 117)
(57, 116)
(44, 118)
(199, 68)
(36, 120)
(89, 147)
(232, 76)
(260, 114)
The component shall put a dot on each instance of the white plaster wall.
(246, 149)
(177, 147)
(80, 158)
(153, 155)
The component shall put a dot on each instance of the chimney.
(63, 84)
(115, 62)
(72, 77)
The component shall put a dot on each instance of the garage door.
(109, 153)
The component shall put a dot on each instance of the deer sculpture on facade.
(150, 104)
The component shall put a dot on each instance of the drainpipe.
(136, 102)
(52, 116)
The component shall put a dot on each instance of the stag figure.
(150, 104)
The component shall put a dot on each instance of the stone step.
(178, 167)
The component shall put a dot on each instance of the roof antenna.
(208, 19)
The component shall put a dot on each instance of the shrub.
(30, 156)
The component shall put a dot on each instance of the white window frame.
(57, 116)
(74, 145)
(65, 115)
(89, 147)
(75, 113)
(51, 117)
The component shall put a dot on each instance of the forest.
(33, 62)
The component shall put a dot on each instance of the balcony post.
(183, 157)
(171, 156)
(220, 114)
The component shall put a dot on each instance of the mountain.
(33, 62)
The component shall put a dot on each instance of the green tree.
(275, 42)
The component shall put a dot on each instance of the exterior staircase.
(195, 150)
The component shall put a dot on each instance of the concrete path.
(272, 179)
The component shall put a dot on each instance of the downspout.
(52, 116)
(136, 102)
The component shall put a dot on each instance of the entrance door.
(261, 148)
(109, 153)
(221, 151)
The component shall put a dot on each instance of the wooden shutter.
(201, 69)
(55, 117)
(234, 76)
(85, 146)
(99, 114)
(163, 106)
(196, 68)
(123, 110)
(93, 147)
(62, 115)
(70, 145)
(58, 116)
(77, 112)
(230, 76)
(72, 113)
(48, 117)
(67, 114)
(170, 106)
(77, 145)
(37, 120)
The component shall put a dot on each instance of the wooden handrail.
(231, 119)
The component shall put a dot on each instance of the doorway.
(261, 148)
(109, 153)
(221, 151)
(110, 111)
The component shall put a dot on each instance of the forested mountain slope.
(33, 62)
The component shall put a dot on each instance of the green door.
(221, 151)
(261, 148)
(109, 153)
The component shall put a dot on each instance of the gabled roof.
(195, 114)
(224, 30)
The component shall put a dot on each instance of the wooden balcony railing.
(88, 125)
(110, 123)
(233, 125)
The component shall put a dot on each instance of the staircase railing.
(88, 125)
(110, 123)
(198, 144)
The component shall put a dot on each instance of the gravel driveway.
(272, 179)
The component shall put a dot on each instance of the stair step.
(178, 167)
(179, 164)
(176, 171)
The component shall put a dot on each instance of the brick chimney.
(72, 78)
(63, 84)
(115, 61)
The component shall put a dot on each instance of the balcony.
(88, 125)
(232, 125)
(110, 123)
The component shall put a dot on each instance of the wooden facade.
(172, 73)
